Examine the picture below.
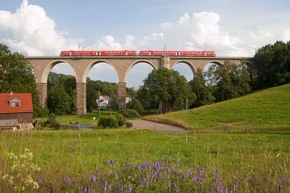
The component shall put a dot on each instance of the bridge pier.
(81, 98)
(42, 89)
(121, 96)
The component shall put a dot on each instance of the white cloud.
(286, 36)
(32, 32)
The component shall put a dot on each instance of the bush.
(129, 124)
(131, 114)
(136, 105)
(39, 111)
(108, 122)
(121, 120)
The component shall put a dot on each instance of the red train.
(99, 53)
(134, 53)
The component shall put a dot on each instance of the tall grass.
(145, 161)
(266, 110)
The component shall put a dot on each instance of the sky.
(228, 27)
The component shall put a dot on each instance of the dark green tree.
(58, 100)
(17, 76)
(204, 94)
(136, 105)
(272, 63)
(92, 95)
(229, 80)
(167, 87)
(143, 95)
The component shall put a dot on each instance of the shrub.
(136, 105)
(50, 122)
(129, 124)
(121, 120)
(108, 122)
(131, 114)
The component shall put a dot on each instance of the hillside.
(266, 110)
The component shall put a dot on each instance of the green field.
(266, 110)
(251, 154)
(256, 162)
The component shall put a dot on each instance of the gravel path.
(142, 124)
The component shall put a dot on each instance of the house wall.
(21, 117)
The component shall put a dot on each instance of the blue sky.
(229, 27)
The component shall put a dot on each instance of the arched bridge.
(122, 65)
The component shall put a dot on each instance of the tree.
(136, 105)
(273, 64)
(17, 76)
(203, 93)
(58, 100)
(91, 95)
(229, 80)
(167, 87)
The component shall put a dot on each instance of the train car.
(157, 53)
(65, 53)
(210, 53)
(196, 53)
(78, 53)
(117, 53)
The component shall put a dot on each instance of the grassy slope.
(263, 110)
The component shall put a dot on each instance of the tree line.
(165, 90)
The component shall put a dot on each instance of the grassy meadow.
(263, 111)
(131, 160)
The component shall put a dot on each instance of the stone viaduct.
(122, 65)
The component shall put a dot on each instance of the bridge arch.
(92, 64)
(136, 63)
(189, 64)
(48, 68)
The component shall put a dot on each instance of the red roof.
(16, 103)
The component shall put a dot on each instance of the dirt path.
(142, 124)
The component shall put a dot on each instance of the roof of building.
(16, 103)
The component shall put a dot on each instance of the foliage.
(61, 97)
(272, 63)
(91, 95)
(129, 124)
(51, 122)
(40, 111)
(203, 92)
(130, 114)
(59, 101)
(229, 81)
(135, 104)
(121, 120)
(108, 122)
(143, 95)
(167, 87)
(17, 76)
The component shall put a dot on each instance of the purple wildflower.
(143, 182)
(279, 188)
(94, 178)
(122, 189)
(66, 179)
(129, 188)
(175, 187)
(105, 186)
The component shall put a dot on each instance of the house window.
(15, 102)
